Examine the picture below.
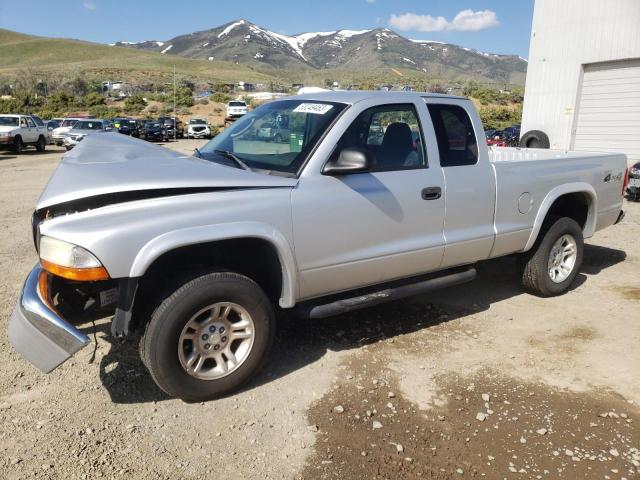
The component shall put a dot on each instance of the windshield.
(237, 104)
(88, 125)
(68, 122)
(152, 125)
(11, 121)
(169, 121)
(197, 121)
(276, 136)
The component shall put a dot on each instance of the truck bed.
(513, 154)
(528, 179)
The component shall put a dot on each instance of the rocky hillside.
(248, 44)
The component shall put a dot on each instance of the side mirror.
(350, 160)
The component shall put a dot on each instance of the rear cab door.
(469, 178)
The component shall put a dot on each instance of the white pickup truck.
(19, 131)
(376, 196)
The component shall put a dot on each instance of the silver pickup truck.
(375, 197)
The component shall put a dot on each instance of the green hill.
(20, 52)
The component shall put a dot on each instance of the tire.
(166, 352)
(535, 139)
(537, 276)
(18, 146)
(41, 145)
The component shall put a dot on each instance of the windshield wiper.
(198, 153)
(234, 157)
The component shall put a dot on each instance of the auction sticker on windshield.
(317, 108)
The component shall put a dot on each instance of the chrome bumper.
(38, 333)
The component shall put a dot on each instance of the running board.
(344, 305)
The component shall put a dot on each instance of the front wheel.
(18, 146)
(555, 259)
(209, 337)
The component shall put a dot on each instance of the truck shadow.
(300, 342)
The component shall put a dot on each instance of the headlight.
(70, 261)
(5, 134)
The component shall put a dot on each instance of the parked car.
(171, 124)
(19, 131)
(497, 139)
(58, 134)
(126, 126)
(490, 133)
(198, 128)
(155, 131)
(236, 108)
(275, 129)
(82, 128)
(199, 254)
(633, 189)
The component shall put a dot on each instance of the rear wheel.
(41, 145)
(555, 259)
(209, 337)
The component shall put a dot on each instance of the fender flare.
(552, 196)
(166, 242)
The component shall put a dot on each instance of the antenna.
(175, 114)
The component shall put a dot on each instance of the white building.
(583, 78)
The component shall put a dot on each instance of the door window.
(30, 123)
(456, 138)
(391, 134)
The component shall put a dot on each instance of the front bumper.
(37, 331)
(199, 134)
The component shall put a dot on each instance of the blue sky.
(497, 26)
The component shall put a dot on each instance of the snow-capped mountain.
(246, 43)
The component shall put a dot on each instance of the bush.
(152, 109)
(184, 111)
(9, 105)
(93, 99)
(220, 97)
(204, 101)
(500, 117)
(134, 104)
(103, 111)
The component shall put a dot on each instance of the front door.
(361, 229)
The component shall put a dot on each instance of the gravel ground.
(476, 381)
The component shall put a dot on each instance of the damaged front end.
(42, 327)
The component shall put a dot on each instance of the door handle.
(431, 193)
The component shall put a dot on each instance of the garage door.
(609, 109)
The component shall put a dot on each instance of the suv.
(18, 131)
(236, 108)
(172, 123)
(198, 128)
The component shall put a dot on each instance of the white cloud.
(89, 5)
(470, 21)
(464, 21)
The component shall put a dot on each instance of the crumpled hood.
(112, 163)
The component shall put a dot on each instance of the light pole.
(175, 114)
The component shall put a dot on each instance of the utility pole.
(175, 114)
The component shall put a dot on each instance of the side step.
(390, 293)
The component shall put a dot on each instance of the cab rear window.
(455, 135)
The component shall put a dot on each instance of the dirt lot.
(476, 381)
